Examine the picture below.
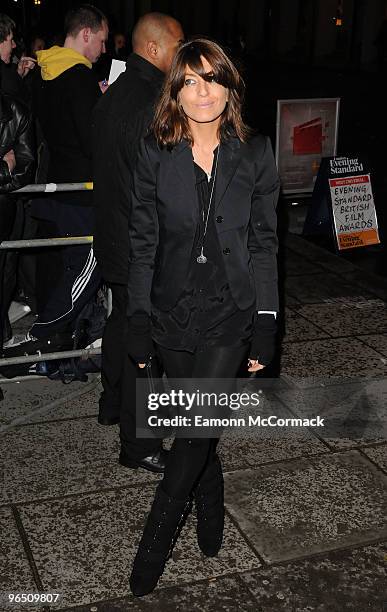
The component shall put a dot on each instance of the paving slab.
(256, 445)
(377, 342)
(318, 360)
(378, 454)
(63, 458)
(15, 572)
(312, 252)
(337, 264)
(229, 594)
(323, 287)
(344, 581)
(354, 413)
(347, 319)
(84, 405)
(84, 547)
(300, 329)
(32, 401)
(237, 453)
(307, 506)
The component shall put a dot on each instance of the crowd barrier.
(43, 242)
(50, 242)
(53, 187)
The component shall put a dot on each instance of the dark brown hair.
(7, 27)
(83, 16)
(170, 124)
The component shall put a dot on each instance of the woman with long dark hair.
(203, 274)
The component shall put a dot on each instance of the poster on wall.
(306, 132)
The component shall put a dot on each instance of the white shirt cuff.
(268, 312)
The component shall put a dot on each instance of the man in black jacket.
(17, 157)
(121, 118)
(63, 101)
(12, 75)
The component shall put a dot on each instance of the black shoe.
(153, 463)
(209, 501)
(161, 531)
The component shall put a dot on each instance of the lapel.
(229, 158)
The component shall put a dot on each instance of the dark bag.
(88, 330)
(88, 333)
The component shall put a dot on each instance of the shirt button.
(219, 219)
(226, 251)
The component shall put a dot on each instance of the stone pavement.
(306, 510)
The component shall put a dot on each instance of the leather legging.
(189, 457)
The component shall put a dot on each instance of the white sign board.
(354, 212)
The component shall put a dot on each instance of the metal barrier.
(83, 353)
(53, 187)
(47, 242)
(33, 243)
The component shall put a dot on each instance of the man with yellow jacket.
(63, 99)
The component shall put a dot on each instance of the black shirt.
(205, 314)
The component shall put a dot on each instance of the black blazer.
(165, 214)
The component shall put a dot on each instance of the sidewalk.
(306, 510)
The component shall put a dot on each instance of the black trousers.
(118, 377)
(68, 277)
(27, 260)
(189, 458)
(7, 218)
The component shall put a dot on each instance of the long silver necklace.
(202, 259)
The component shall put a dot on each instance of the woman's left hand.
(254, 365)
(263, 342)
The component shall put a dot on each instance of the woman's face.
(202, 101)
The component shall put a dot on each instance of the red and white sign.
(354, 212)
(306, 132)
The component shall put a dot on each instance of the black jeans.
(188, 458)
(118, 377)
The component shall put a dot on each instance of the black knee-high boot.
(161, 530)
(209, 501)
